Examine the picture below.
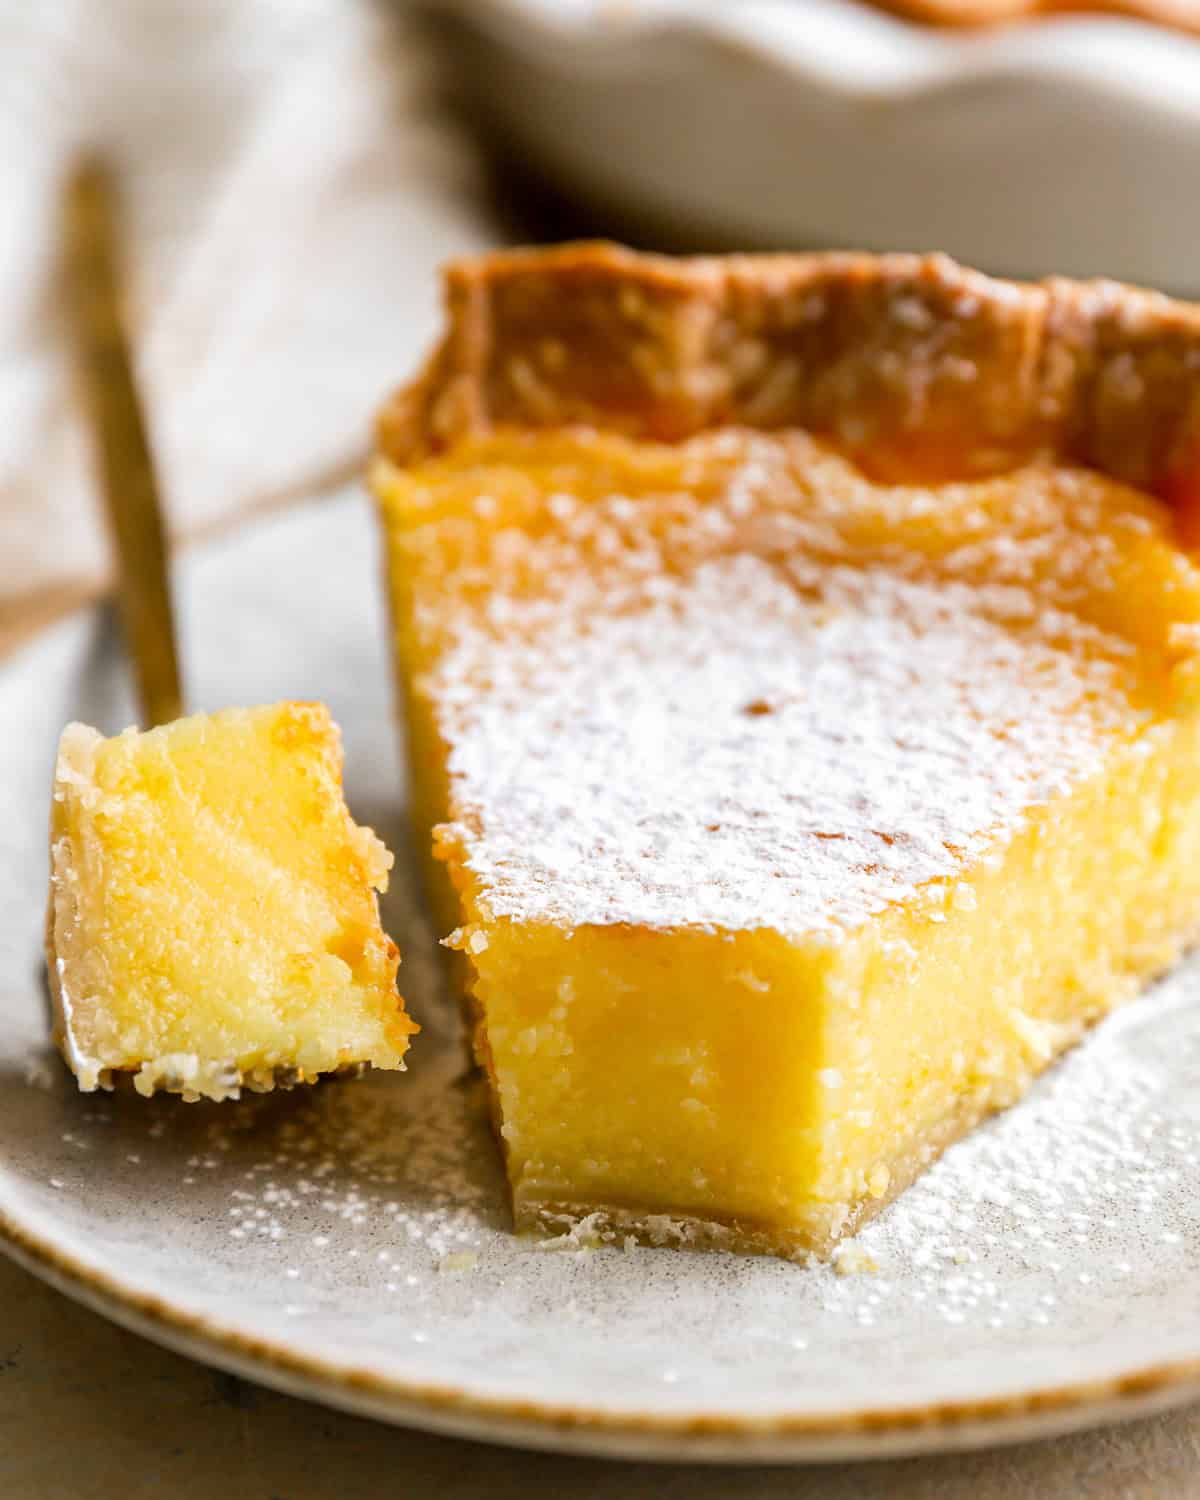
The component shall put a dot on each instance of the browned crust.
(996, 12)
(915, 365)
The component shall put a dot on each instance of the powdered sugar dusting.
(736, 683)
(1061, 1196)
(745, 752)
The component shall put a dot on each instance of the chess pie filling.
(212, 921)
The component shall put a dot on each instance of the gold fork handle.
(123, 458)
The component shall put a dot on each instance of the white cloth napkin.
(292, 188)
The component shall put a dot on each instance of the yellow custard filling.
(789, 822)
(213, 920)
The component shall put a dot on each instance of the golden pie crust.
(913, 365)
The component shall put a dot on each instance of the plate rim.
(525, 1422)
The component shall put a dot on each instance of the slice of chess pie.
(801, 665)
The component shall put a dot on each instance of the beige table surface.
(90, 1412)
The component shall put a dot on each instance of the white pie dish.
(1068, 144)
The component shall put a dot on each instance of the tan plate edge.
(699, 1436)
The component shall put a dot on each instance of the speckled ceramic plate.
(350, 1242)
